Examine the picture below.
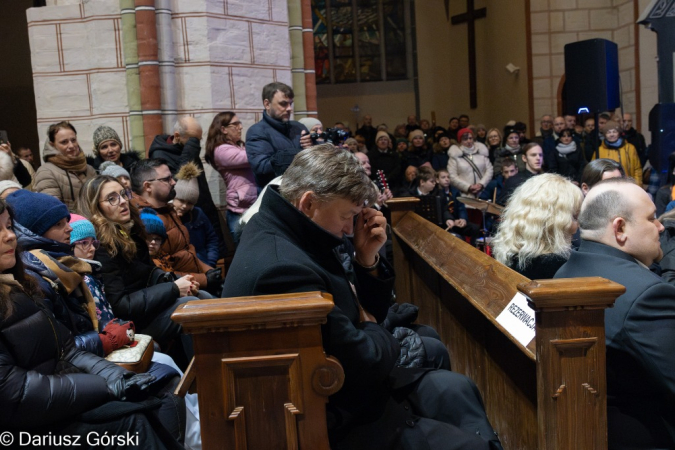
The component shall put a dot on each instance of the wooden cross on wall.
(470, 17)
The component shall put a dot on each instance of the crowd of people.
(96, 248)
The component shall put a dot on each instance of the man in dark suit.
(293, 245)
(619, 240)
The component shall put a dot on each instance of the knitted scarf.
(70, 272)
(507, 151)
(566, 149)
(614, 145)
(75, 164)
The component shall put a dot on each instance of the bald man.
(183, 146)
(619, 240)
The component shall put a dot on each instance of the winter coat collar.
(282, 127)
(604, 249)
(165, 143)
(29, 241)
(294, 223)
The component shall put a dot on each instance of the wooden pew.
(548, 395)
(262, 377)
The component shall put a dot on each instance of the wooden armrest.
(261, 362)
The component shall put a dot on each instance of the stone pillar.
(167, 67)
(308, 52)
(130, 46)
(148, 68)
(297, 57)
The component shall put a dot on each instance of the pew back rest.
(549, 394)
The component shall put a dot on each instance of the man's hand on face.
(370, 234)
(305, 140)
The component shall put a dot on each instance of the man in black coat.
(183, 147)
(634, 137)
(368, 131)
(272, 143)
(533, 156)
(292, 245)
(619, 240)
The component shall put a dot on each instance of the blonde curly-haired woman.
(535, 235)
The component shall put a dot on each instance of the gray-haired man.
(291, 245)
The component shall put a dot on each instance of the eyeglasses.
(166, 180)
(156, 240)
(88, 243)
(235, 124)
(115, 198)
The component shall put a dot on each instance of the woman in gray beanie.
(108, 147)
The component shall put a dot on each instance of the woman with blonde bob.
(535, 235)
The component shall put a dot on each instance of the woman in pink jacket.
(226, 153)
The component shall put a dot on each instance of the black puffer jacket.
(69, 309)
(45, 379)
(667, 239)
(177, 155)
(126, 285)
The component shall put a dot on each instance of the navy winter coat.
(202, 236)
(271, 143)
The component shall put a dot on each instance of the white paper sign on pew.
(518, 319)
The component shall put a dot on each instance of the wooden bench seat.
(263, 378)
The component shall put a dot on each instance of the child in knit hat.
(84, 242)
(156, 232)
(119, 173)
(202, 235)
(83, 237)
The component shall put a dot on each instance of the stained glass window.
(360, 40)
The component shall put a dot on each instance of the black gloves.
(400, 315)
(130, 386)
(214, 282)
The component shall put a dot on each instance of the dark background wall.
(17, 99)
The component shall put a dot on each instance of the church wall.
(442, 58)
(78, 69)
(444, 63)
(559, 22)
(387, 102)
(224, 53)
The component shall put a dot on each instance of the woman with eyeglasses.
(65, 167)
(494, 143)
(226, 153)
(134, 286)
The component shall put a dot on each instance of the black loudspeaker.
(591, 76)
(662, 126)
